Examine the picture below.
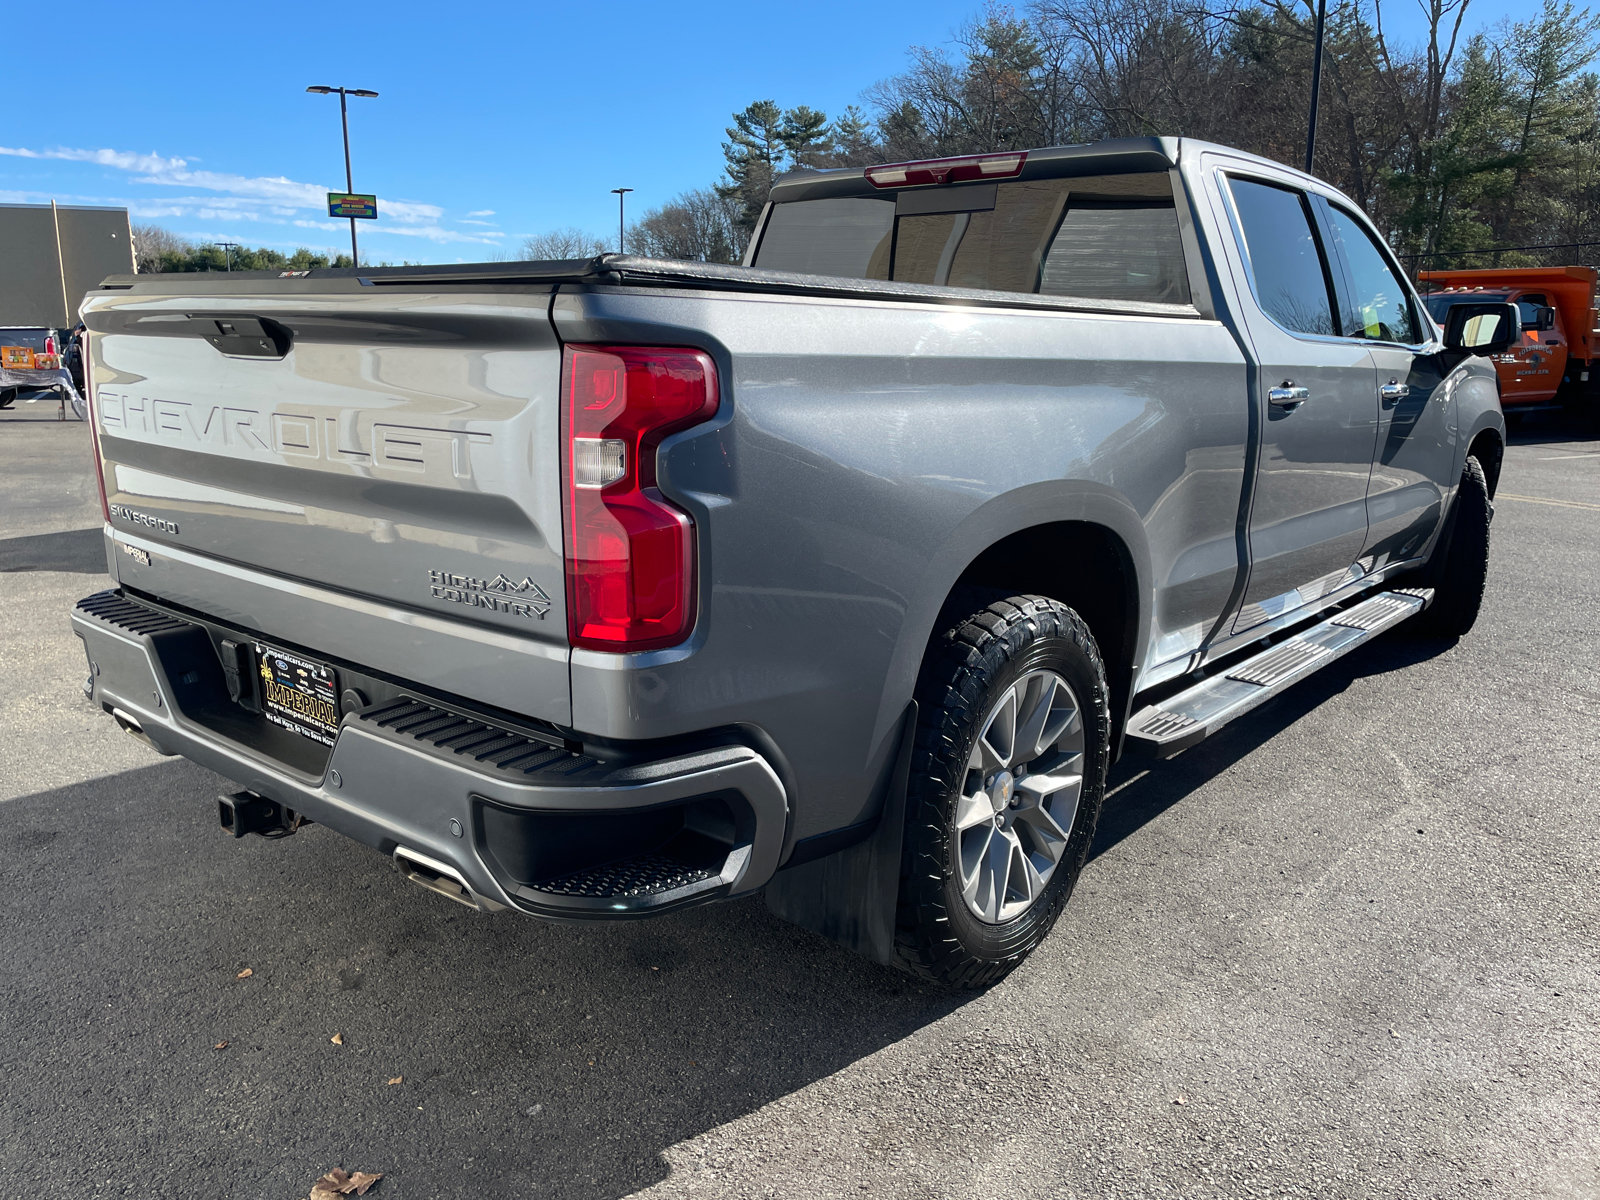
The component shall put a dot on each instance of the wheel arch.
(1082, 544)
(1480, 419)
(1489, 448)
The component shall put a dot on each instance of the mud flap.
(850, 896)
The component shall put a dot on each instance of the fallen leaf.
(397, 1079)
(220, 1046)
(244, 974)
(339, 1182)
(337, 1039)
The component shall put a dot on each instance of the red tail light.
(94, 424)
(630, 554)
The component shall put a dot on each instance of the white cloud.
(482, 212)
(259, 200)
(123, 160)
(470, 221)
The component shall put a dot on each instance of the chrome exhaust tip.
(130, 725)
(441, 879)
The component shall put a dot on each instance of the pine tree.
(754, 151)
(806, 136)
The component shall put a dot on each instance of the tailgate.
(395, 451)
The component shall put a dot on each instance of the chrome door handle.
(1393, 392)
(1288, 395)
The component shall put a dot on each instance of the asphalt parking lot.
(1348, 948)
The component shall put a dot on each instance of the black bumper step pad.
(128, 616)
(454, 735)
(647, 875)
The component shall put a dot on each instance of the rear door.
(1315, 405)
(1414, 459)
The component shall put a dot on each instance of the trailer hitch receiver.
(246, 812)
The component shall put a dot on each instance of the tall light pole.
(621, 195)
(1316, 84)
(344, 120)
(225, 247)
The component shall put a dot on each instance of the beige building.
(51, 254)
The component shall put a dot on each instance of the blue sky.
(495, 120)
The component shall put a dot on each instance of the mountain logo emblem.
(502, 584)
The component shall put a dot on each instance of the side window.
(1379, 307)
(1286, 266)
(1529, 306)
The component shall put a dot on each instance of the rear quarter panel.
(864, 455)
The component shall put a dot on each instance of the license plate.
(298, 694)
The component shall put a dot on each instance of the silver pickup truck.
(596, 589)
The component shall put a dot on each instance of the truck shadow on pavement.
(82, 551)
(1141, 789)
(526, 1058)
(479, 1056)
(1553, 427)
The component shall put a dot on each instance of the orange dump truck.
(1558, 350)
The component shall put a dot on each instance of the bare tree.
(570, 242)
(699, 226)
(150, 242)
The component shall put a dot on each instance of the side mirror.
(1482, 329)
(1544, 317)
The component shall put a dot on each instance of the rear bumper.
(523, 819)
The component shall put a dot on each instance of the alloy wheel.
(1019, 797)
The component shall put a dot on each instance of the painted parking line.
(1564, 457)
(1542, 500)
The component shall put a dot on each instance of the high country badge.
(500, 594)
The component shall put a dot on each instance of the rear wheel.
(1461, 560)
(1013, 740)
(8, 397)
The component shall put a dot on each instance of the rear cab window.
(837, 236)
(1097, 237)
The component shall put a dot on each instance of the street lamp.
(344, 119)
(1316, 84)
(621, 195)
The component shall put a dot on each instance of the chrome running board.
(1191, 716)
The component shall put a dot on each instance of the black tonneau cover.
(621, 270)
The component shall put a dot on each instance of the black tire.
(8, 397)
(1461, 560)
(982, 652)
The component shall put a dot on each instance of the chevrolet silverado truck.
(596, 589)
